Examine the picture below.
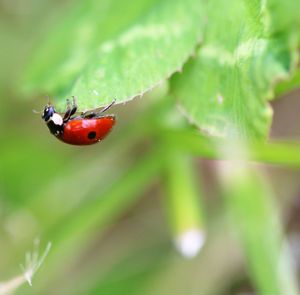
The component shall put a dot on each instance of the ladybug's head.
(48, 112)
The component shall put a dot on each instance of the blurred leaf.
(218, 264)
(71, 233)
(248, 46)
(276, 153)
(134, 272)
(110, 203)
(16, 183)
(255, 218)
(131, 250)
(127, 64)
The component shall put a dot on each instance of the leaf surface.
(109, 50)
(248, 46)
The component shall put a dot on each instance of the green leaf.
(156, 39)
(71, 38)
(144, 55)
(289, 85)
(248, 46)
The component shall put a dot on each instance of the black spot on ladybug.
(92, 135)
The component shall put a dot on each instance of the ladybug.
(88, 128)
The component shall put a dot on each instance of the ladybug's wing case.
(85, 131)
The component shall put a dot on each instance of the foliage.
(226, 87)
(119, 66)
(221, 62)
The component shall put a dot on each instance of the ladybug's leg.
(88, 115)
(74, 106)
(108, 107)
(92, 114)
(70, 110)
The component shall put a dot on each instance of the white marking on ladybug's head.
(57, 119)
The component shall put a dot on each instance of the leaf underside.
(248, 46)
(133, 56)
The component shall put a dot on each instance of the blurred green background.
(141, 212)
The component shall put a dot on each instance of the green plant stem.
(183, 194)
(278, 153)
(255, 219)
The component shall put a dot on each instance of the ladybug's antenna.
(48, 99)
(36, 112)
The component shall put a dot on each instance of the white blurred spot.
(245, 50)
(107, 46)
(150, 31)
(220, 98)
(190, 242)
(250, 48)
(268, 111)
(95, 92)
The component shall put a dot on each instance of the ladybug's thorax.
(56, 119)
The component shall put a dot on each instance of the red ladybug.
(88, 128)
